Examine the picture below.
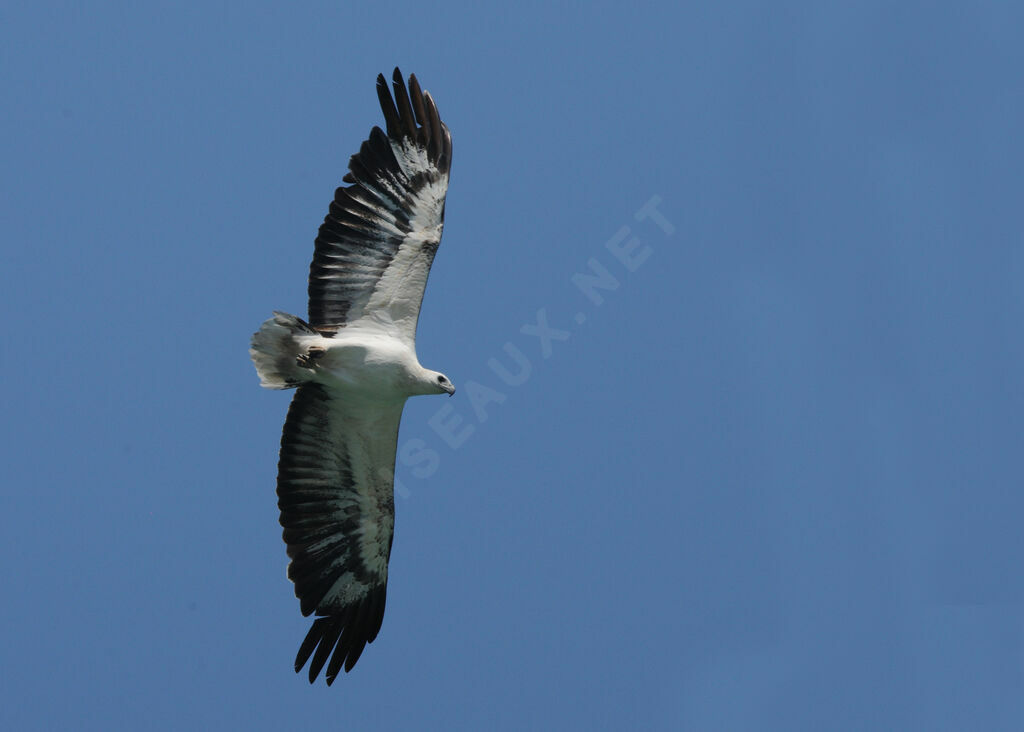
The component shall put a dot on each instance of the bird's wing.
(335, 491)
(376, 245)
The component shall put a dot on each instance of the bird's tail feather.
(277, 348)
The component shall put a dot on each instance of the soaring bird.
(353, 364)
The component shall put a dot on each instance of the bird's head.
(441, 383)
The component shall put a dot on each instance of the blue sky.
(767, 477)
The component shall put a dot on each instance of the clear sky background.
(768, 478)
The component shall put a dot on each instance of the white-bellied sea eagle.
(353, 365)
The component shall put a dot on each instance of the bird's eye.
(441, 379)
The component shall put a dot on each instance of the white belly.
(373, 368)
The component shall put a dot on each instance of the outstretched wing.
(376, 245)
(335, 491)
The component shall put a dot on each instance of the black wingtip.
(405, 114)
(387, 106)
(312, 640)
(420, 110)
(342, 637)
